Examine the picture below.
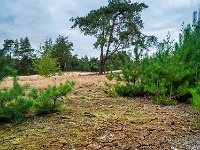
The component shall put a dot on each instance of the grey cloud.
(38, 19)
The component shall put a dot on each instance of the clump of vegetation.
(34, 93)
(12, 103)
(195, 100)
(168, 75)
(116, 26)
(15, 104)
(47, 100)
(127, 83)
(162, 99)
(46, 66)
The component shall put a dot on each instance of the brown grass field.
(91, 120)
(81, 78)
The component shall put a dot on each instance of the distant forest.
(19, 55)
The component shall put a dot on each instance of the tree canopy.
(116, 26)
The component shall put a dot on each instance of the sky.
(41, 19)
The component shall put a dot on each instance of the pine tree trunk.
(170, 91)
(102, 62)
(102, 67)
(65, 67)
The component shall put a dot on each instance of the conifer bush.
(34, 93)
(47, 66)
(168, 75)
(128, 90)
(15, 110)
(127, 83)
(15, 104)
(195, 100)
(12, 105)
(47, 100)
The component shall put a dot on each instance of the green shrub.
(47, 66)
(110, 76)
(110, 89)
(8, 95)
(195, 100)
(34, 93)
(162, 99)
(12, 105)
(127, 83)
(47, 100)
(128, 90)
(15, 110)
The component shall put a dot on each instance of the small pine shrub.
(110, 76)
(34, 93)
(110, 89)
(47, 100)
(15, 110)
(47, 66)
(7, 95)
(162, 99)
(19, 108)
(128, 90)
(195, 100)
(12, 105)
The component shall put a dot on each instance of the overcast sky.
(38, 19)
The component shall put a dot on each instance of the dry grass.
(81, 78)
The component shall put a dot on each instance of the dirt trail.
(89, 119)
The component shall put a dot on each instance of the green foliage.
(195, 100)
(110, 76)
(5, 71)
(19, 55)
(62, 51)
(162, 99)
(47, 100)
(12, 105)
(46, 66)
(115, 26)
(117, 61)
(87, 64)
(168, 75)
(8, 95)
(128, 90)
(34, 93)
(110, 89)
(14, 110)
(5, 65)
(128, 83)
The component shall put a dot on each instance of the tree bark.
(102, 63)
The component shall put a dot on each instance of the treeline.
(19, 55)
